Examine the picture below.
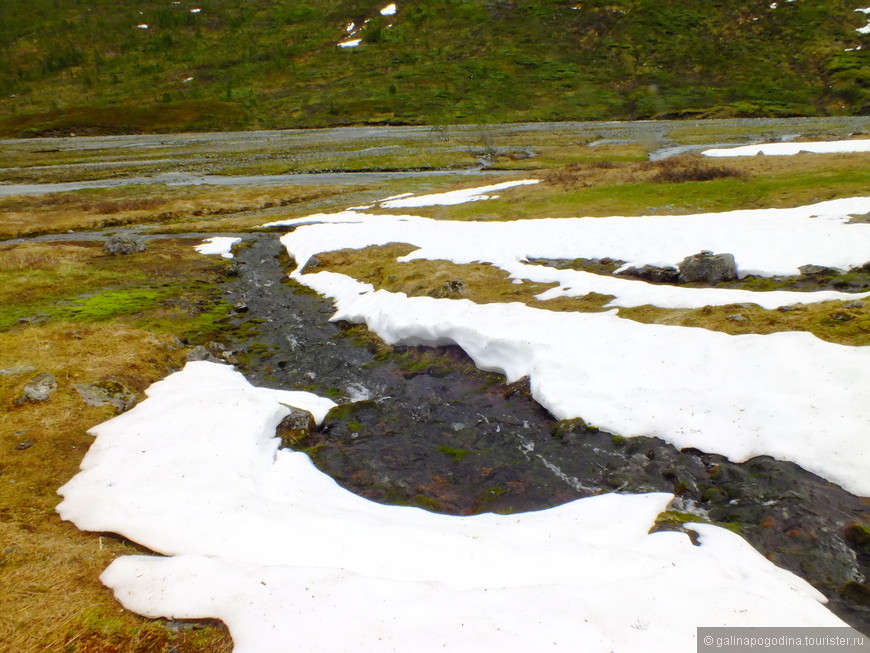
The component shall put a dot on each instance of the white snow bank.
(222, 245)
(763, 241)
(786, 395)
(793, 147)
(265, 542)
(453, 197)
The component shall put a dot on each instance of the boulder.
(124, 243)
(707, 267)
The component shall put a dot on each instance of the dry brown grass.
(844, 323)
(199, 205)
(50, 595)
(481, 283)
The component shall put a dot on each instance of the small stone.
(787, 309)
(295, 427)
(25, 444)
(737, 318)
(842, 316)
(107, 393)
(854, 305)
(40, 388)
(124, 243)
(240, 307)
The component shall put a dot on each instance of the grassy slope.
(71, 65)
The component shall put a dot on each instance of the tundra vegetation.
(71, 309)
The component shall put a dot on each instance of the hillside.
(96, 66)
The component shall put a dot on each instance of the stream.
(422, 427)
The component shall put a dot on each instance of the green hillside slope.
(86, 66)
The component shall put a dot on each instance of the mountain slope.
(92, 66)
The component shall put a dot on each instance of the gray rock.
(708, 267)
(200, 353)
(653, 273)
(15, 370)
(24, 444)
(814, 270)
(854, 305)
(296, 427)
(107, 393)
(40, 388)
(124, 243)
(737, 318)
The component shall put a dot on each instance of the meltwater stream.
(420, 426)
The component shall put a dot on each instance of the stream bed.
(422, 427)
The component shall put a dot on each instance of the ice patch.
(265, 542)
(222, 245)
(794, 147)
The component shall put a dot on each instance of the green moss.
(426, 502)
(456, 454)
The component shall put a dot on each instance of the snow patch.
(453, 197)
(222, 245)
(389, 10)
(265, 542)
(794, 147)
(352, 43)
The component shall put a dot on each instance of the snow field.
(268, 544)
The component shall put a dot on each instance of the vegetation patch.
(478, 282)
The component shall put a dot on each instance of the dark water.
(423, 427)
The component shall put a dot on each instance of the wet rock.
(707, 267)
(124, 243)
(858, 536)
(296, 428)
(857, 592)
(107, 393)
(569, 428)
(653, 274)
(40, 388)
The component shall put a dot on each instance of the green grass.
(67, 66)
